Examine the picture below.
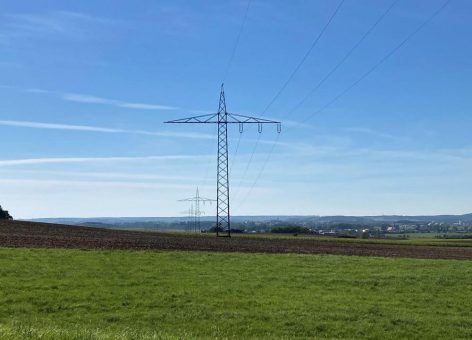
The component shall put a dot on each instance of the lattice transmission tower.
(188, 218)
(195, 211)
(223, 118)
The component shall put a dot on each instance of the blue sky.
(87, 85)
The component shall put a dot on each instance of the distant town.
(337, 226)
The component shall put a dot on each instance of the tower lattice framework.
(222, 174)
(223, 118)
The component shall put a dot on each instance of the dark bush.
(4, 215)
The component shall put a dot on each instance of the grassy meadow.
(79, 294)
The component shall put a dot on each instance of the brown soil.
(45, 235)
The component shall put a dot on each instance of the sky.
(86, 86)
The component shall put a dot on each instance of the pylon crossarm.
(236, 118)
(201, 199)
(196, 119)
(232, 118)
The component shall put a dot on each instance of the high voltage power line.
(305, 56)
(289, 79)
(343, 60)
(379, 63)
(243, 23)
(236, 44)
(207, 168)
(225, 75)
(352, 85)
(317, 86)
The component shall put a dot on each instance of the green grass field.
(75, 294)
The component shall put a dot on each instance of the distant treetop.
(4, 215)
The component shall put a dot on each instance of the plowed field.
(33, 234)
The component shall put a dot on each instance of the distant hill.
(367, 220)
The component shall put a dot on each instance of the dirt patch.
(32, 234)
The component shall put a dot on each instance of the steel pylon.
(223, 118)
(222, 175)
(197, 212)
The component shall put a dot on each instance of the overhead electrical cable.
(305, 57)
(352, 85)
(248, 164)
(330, 73)
(343, 60)
(207, 168)
(260, 172)
(289, 79)
(226, 72)
(235, 153)
(230, 61)
(378, 64)
(236, 44)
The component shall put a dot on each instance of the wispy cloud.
(35, 90)
(49, 24)
(88, 99)
(374, 133)
(94, 184)
(9, 87)
(38, 125)
(382, 156)
(64, 160)
(92, 99)
(110, 175)
(87, 128)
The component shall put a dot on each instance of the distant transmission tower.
(223, 118)
(187, 218)
(191, 217)
(196, 213)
